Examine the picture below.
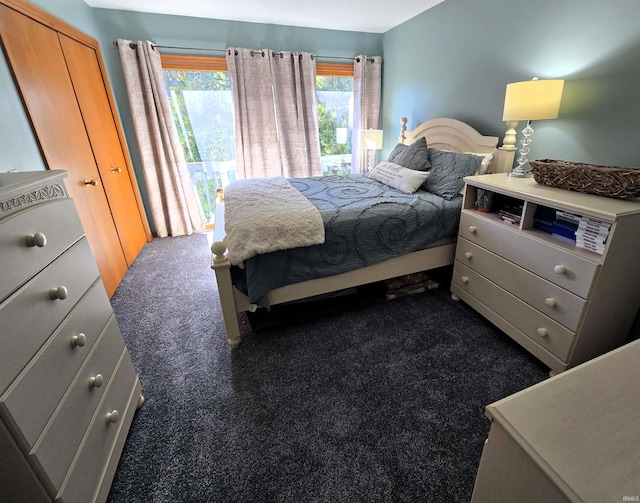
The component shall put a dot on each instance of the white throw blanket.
(262, 215)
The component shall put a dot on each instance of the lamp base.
(520, 172)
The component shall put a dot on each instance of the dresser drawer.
(30, 315)
(574, 273)
(57, 446)
(31, 399)
(539, 328)
(59, 225)
(94, 459)
(548, 298)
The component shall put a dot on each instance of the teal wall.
(455, 60)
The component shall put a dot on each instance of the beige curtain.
(275, 105)
(367, 85)
(174, 206)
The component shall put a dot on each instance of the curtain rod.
(223, 51)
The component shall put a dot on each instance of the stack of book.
(543, 219)
(592, 235)
(510, 210)
(566, 224)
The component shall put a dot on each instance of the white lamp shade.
(532, 100)
(372, 139)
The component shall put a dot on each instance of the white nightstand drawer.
(85, 476)
(557, 303)
(59, 442)
(539, 328)
(31, 399)
(31, 314)
(31, 239)
(554, 263)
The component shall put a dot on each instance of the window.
(334, 84)
(200, 97)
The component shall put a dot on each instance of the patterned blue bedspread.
(366, 223)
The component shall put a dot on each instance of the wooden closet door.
(39, 67)
(100, 121)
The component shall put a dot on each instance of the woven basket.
(608, 181)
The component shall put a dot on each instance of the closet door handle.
(93, 182)
(116, 170)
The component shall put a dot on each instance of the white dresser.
(571, 438)
(68, 388)
(562, 303)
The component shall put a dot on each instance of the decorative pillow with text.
(396, 176)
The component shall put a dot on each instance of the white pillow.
(396, 176)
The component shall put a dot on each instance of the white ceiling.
(372, 16)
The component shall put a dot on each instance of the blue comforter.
(366, 223)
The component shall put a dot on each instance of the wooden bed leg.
(222, 269)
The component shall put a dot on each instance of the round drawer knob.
(96, 381)
(560, 269)
(472, 229)
(77, 341)
(465, 279)
(38, 239)
(542, 332)
(112, 417)
(59, 293)
(468, 254)
(551, 302)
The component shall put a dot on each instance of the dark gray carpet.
(381, 401)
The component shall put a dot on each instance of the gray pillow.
(448, 170)
(414, 156)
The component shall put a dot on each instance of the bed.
(414, 255)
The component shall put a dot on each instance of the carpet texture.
(378, 401)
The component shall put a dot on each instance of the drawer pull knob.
(112, 417)
(77, 341)
(472, 229)
(560, 269)
(93, 182)
(59, 293)
(468, 254)
(96, 381)
(116, 170)
(38, 239)
(542, 332)
(465, 279)
(551, 302)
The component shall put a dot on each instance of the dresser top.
(22, 189)
(582, 426)
(605, 208)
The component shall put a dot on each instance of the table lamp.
(528, 101)
(372, 141)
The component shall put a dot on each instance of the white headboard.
(452, 134)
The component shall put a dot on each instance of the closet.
(61, 78)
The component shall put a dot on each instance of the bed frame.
(446, 134)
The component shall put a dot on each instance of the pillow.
(448, 170)
(486, 160)
(414, 156)
(396, 176)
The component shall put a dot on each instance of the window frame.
(219, 64)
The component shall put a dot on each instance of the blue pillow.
(448, 170)
(414, 156)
